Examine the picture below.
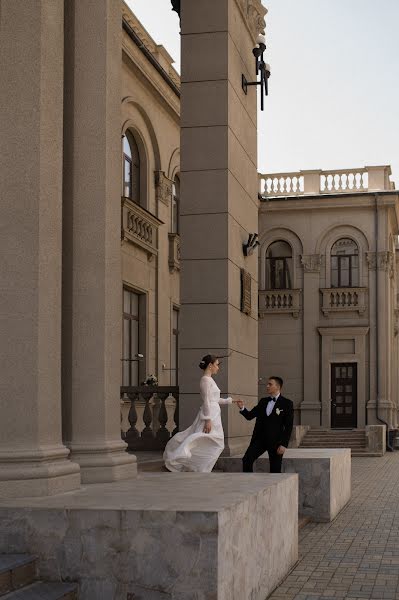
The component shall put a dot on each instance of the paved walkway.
(357, 555)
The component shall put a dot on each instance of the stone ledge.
(324, 478)
(163, 536)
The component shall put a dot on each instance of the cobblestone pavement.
(357, 555)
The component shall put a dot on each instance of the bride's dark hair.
(207, 360)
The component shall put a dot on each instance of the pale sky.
(334, 91)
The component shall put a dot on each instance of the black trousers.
(256, 449)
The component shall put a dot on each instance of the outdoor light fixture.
(137, 359)
(260, 67)
(251, 244)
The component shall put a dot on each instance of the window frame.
(271, 271)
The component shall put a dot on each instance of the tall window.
(344, 264)
(175, 348)
(175, 205)
(131, 338)
(279, 266)
(131, 168)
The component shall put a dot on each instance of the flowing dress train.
(192, 449)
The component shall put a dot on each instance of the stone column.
(219, 202)
(311, 405)
(33, 461)
(384, 272)
(92, 257)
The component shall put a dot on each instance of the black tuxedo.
(269, 433)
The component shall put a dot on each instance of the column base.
(235, 445)
(38, 472)
(104, 463)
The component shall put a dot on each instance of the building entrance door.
(343, 395)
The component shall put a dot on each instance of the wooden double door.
(343, 395)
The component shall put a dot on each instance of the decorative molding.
(174, 252)
(386, 262)
(163, 187)
(311, 263)
(246, 291)
(254, 14)
(396, 322)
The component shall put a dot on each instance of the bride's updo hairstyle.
(207, 360)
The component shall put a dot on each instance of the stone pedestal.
(219, 202)
(163, 536)
(324, 478)
(91, 253)
(33, 460)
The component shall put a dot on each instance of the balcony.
(280, 302)
(344, 300)
(140, 227)
(174, 252)
(345, 181)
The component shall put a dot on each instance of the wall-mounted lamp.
(260, 67)
(251, 244)
(137, 359)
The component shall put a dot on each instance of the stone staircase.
(355, 439)
(18, 581)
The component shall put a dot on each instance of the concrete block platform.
(169, 536)
(324, 478)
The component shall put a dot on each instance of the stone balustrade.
(279, 301)
(152, 415)
(344, 300)
(140, 227)
(335, 181)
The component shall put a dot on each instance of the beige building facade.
(328, 308)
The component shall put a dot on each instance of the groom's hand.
(240, 404)
(281, 450)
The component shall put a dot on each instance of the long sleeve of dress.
(205, 388)
(225, 400)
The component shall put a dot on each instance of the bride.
(198, 447)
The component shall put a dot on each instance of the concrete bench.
(166, 536)
(324, 478)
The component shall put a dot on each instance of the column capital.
(254, 14)
(311, 263)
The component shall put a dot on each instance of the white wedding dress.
(192, 449)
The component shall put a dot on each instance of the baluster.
(356, 299)
(176, 414)
(132, 437)
(147, 434)
(162, 433)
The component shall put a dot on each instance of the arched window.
(131, 168)
(344, 264)
(174, 227)
(279, 266)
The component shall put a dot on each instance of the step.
(339, 444)
(44, 591)
(16, 570)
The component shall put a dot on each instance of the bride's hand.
(208, 426)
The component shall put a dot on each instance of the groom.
(273, 427)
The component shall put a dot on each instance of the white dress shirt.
(271, 404)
